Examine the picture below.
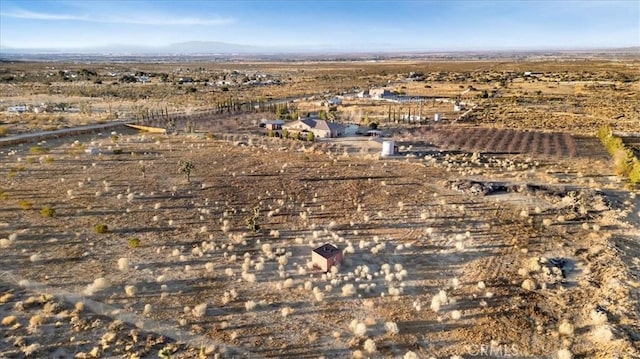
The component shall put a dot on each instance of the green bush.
(186, 166)
(634, 174)
(626, 164)
(24, 204)
(47, 211)
(37, 150)
(134, 242)
(310, 136)
(100, 228)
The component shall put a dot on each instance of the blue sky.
(346, 25)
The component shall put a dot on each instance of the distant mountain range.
(216, 47)
(190, 47)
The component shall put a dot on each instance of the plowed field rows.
(503, 141)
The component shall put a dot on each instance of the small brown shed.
(326, 256)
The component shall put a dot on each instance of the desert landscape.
(505, 222)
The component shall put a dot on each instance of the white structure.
(388, 148)
(436, 117)
(412, 118)
(17, 109)
(92, 151)
(458, 106)
(335, 101)
(381, 94)
(363, 94)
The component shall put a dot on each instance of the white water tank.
(388, 148)
(436, 117)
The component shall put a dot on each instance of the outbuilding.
(326, 256)
(272, 125)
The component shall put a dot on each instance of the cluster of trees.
(331, 115)
(162, 118)
(286, 111)
(128, 78)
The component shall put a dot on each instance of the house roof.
(335, 126)
(273, 122)
(318, 124)
(327, 250)
(315, 123)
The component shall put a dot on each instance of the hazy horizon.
(339, 26)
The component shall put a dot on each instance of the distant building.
(17, 109)
(381, 94)
(320, 128)
(326, 256)
(272, 125)
(411, 118)
(363, 94)
(335, 101)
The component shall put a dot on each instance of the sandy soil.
(428, 269)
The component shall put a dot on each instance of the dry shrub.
(602, 334)
(529, 284)
(565, 328)
(439, 300)
(370, 346)
(359, 329)
(97, 285)
(5, 298)
(130, 290)
(250, 305)
(391, 327)
(564, 354)
(348, 290)
(199, 310)
(9, 320)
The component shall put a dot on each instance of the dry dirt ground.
(577, 95)
(544, 270)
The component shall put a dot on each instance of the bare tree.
(186, 166)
